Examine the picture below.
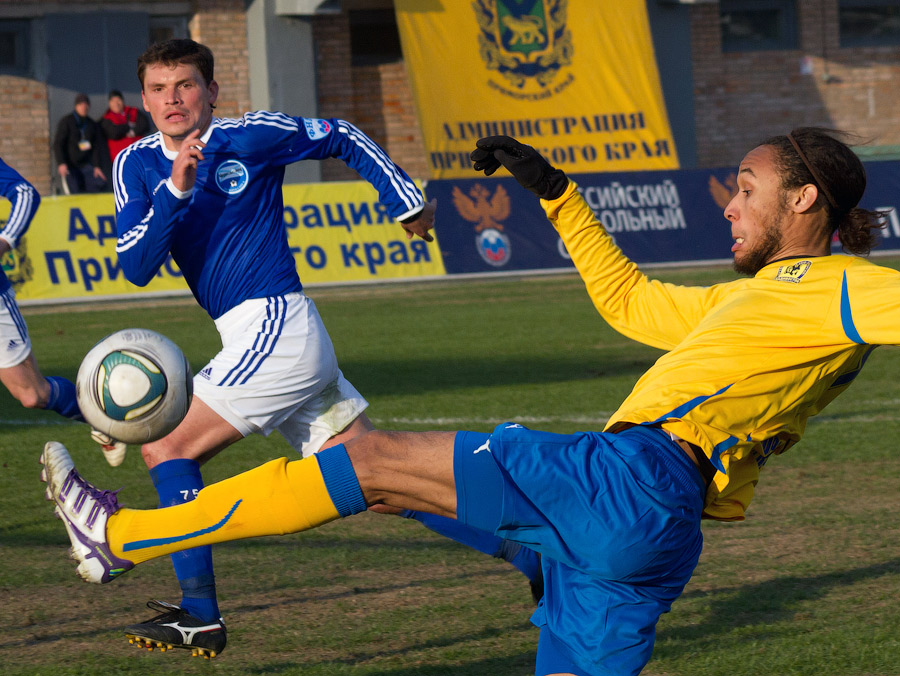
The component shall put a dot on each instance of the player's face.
(178, 99)
(758, 212)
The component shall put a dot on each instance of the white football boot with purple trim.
(84, 509)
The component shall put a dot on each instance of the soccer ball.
(134, 385)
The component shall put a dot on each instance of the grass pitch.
(807, 585)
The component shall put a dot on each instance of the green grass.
(806, 585)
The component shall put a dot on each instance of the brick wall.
(221, 25)
(377, 99)
(742, 98)
(25, 129)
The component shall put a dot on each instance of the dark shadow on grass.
(290, 596)
(307, 595)
(415, 376)
(758, 604)
(521, 663)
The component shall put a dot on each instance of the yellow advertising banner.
(338, 232)
(576, 79)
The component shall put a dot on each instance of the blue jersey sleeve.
(24, 200)
(288, 139)
(145, 219)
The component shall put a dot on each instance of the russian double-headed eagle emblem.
(486, 212)
(480, 208)
(524, 39)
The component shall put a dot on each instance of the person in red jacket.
(122, 125)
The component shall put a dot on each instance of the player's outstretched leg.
(236, 508)
(84, 510)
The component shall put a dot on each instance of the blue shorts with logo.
(616, 518)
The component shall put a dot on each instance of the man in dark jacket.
(77, 146)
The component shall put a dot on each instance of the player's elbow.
(136, 274)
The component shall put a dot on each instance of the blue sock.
(62, 398)
(178, 481)
(340, 480)
(523, 558)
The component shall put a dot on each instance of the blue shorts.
(615, 516)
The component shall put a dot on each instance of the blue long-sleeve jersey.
(227, 235)
(25, 201)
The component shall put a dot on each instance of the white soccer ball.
(134, 385)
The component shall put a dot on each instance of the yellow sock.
(273, 499)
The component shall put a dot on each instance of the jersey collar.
(172, 154)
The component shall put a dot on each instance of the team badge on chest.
(232, 177)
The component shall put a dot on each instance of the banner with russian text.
(656, 217)
(338, 232)
(576, 79)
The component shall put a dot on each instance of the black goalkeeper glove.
(525, 163)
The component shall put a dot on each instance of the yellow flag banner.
(338, 232)
(576, 79)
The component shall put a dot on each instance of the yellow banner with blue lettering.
(576, 79)
(338, 232)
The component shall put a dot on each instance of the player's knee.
(368, 452)
(376, 459)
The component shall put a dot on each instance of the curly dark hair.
(175, 52)
(821, 158)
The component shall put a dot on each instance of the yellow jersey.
(748, 361)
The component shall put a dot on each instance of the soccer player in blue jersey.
(616, 514)
(208, 191)
(19, 371)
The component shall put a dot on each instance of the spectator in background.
(77, 145)
(122, 125)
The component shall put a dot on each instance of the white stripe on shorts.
(13, 308)
(265, 342)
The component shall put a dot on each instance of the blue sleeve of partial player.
(145, 221)
(318, 139)
(24, 200)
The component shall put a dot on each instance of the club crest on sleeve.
(793, 273)
(232, 177)
(316, 128)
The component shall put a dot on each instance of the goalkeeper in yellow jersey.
(615, 514)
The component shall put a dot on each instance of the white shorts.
(277, 371)
(15, 345)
